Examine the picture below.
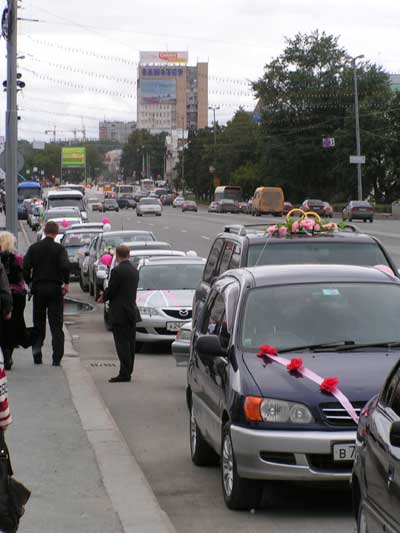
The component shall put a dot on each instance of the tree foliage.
(304, 95)
(143, 144)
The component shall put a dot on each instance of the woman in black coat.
(14, 333)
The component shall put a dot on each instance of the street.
(151, 412)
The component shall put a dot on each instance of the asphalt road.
(153, 418)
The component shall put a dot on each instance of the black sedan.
(126, 202)
(282, 361)
(376, 472)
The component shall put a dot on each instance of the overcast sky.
(82, 47)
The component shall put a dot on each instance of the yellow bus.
(267, 201)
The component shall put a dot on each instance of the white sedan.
(149, 206)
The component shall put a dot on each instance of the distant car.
(178, 201)
(376, 470)
(244, 207)
(328, 210)
(213, 207)
(77, 242)
(317, 206)
(110, 204)
(358, 210)
(181, 346)
(97, 206)
(149, 206)
(126, 202)
(189, 205)
(227, 206)
(167, 199)
(287, 207)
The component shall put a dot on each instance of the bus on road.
(27, 190)
(147, 185)
(228, 192)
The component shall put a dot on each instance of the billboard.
(164, 57)
(73, 157)
(158, 91)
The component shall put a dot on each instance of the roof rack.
(240, 229)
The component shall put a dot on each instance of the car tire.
(361, 520)
(239, 494)
(371, 220)
(201, 452)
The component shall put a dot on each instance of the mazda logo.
(183, 312)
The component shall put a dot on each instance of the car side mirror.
(210, 345)
(395, 434)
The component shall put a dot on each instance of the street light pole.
(11, 121)
(357, 118)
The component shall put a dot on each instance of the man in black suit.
(123, 313)
(46, 269)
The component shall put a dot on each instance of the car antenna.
(263, 249)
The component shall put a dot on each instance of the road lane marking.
(206, 238)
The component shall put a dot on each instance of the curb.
(130, 493)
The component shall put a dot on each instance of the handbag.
(13, 494)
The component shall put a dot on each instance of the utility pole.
(214, 109)
(11, 121)
(357, 117)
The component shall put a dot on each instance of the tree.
(143, 147)
(306, 93)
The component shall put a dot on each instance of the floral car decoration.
(328, 385)
(310, 223)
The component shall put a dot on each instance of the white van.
(67, 198)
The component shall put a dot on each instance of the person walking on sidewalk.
(123, 312)
(46, 268)
(14, 331)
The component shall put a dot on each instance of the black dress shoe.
(38, 359)
(56, 363)
(8, 364)
(119, 379)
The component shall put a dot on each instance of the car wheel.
(84, 287)
(201, 452)
(361, 520)
(239, 494)
(371, 220)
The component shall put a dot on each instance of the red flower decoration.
(329, 384)
(266, 349)
(295, 364)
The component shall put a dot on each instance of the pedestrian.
(123, 312)
(46, 268)
(15, 332)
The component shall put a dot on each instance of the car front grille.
(175, 313)
(335, 414)
(324, 461)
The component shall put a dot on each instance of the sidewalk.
(52, 455)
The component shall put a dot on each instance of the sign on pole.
(73, 157)
(357, 159)
(328, 142)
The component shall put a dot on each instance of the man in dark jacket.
(46, 269)
(123, 313)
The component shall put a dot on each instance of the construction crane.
(75, 132)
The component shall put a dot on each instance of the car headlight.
(276, 411)
(149, 311)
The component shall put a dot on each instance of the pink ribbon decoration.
(305, 372)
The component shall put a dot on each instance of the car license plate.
(175, 326)
(344, 452)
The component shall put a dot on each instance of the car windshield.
(320, 252)
(308, 314)
(112, 241)
(170, 277)
(149, 201)
(66, 202)
(78, 239)
(51, 215)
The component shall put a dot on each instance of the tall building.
(116, 131)
(170, 94)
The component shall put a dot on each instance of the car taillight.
(354, 208)
(324, 208)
